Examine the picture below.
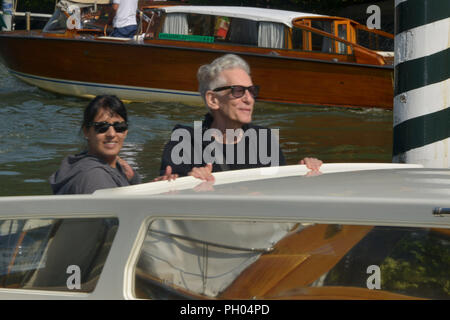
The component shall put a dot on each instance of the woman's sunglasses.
(239, 91)
(102, 127)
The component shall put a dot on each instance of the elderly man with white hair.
(226, 139)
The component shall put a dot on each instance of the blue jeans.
(124, 32)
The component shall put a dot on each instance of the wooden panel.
(265, 274)
(316, 250)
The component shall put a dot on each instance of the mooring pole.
(422, 83)
(28, 20)
(7, 6)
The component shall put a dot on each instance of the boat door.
(306, 36)
(343, 30)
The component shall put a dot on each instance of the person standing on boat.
(105, 127)
(229, 94)
(125, 24)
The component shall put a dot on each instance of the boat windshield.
(226, 30)
(374, 41)
(57, 23)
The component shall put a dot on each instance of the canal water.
(38, 129)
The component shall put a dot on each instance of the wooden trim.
(376, 31)
(290, 43)
(362, 54)
(288, 37)
(445, 232)
(336, 25)
(298, 260)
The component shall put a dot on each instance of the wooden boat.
(296, 58)
(358, 231)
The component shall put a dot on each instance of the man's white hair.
(209, 75)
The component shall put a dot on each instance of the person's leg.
(124, 32)
(129, 31)
(115, 33)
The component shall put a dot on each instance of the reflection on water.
(40, 128)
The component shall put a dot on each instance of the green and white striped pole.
(422, 83)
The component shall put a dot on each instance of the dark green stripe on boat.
(421, 131)
(186, 37)
(415, 13)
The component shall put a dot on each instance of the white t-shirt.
(126, 13)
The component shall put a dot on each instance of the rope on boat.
(219, 245)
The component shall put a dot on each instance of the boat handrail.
(375, 31)
(36, 15)
(354, 46)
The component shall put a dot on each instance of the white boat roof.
(256, 14)
(390, 194)
(361, 194)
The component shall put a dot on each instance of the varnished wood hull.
(155, 72)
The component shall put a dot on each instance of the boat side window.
(192, 258)
(407, 262)
(319, 42)
(374, 41)
(189, 24)
(306, 40)
(271, 35)
(54, 254)
(176, 23)
(201, 25)
(286, 260)
(188, 27)
(209, 28)
(244, 32)
(57, 23)
(341, 33)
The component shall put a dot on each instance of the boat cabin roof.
(361, 194)
(386, 194)
(256, 14)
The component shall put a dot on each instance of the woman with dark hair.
(105, 127)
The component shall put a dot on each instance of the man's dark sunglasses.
(239, 91)
(102, 127)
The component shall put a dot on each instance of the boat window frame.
(349, 31)
(308, 30)
(379, 36)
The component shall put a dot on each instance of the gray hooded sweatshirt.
(83, 173)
